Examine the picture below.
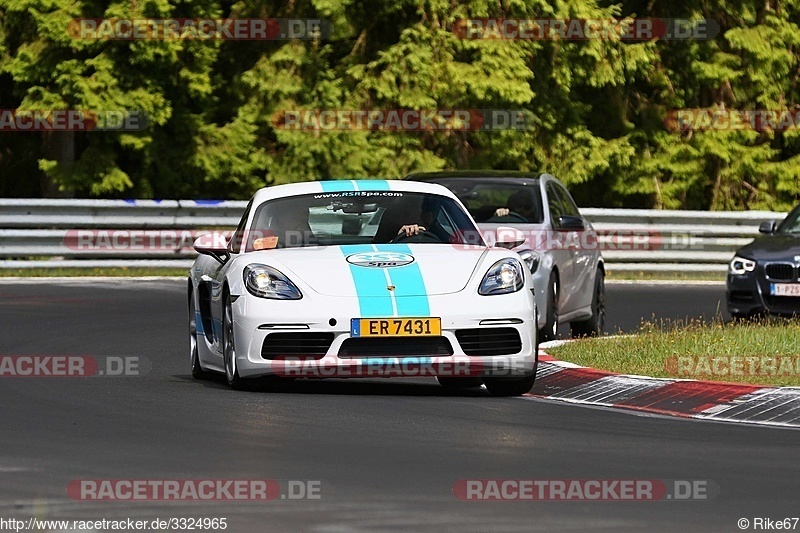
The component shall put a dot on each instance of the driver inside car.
(518, 203)
(427, 222)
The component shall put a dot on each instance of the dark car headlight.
(740, 266)
(266, 282)
(504, 277)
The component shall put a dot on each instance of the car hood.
(367, 270)
(773, 248)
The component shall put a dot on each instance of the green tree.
(596, 108)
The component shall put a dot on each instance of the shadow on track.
(354, 386)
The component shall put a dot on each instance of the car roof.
(493, 175)
(335, 186)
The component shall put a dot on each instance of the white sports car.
(365, 278)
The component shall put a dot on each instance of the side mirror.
(531, 259)
(571, 223)
(213, 244)
(509, 237)
(768, 226)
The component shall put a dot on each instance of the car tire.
(229, 347)
(550, 330)
(450, 382)
(197, 369)
(594, 325)
(510, 386)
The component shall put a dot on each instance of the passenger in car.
(293, 229)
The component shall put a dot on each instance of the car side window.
(554, 205)
(791, 224)
(235, 244)
(570, 208)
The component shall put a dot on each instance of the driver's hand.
(411, 229)
(501, 212)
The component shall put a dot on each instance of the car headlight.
(740, 265)
(266, 282)
(504, 277)
(531, 259)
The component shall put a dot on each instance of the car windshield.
(362, 217)
(791, 224)
(498, 202)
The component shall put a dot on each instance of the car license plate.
(784, 289)
(395, 327)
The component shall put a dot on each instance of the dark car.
(763, 276)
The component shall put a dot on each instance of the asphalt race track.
(386, 453)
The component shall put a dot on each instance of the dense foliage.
(599, 105)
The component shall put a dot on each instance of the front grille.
(279, 345)
(489, 341)
(395, 346)
(780, 271)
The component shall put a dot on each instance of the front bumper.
(748, 294)
(322, 314)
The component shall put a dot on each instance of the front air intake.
(489, 341)
(395, 347)
(305, 344)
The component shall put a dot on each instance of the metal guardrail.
(691, 241)
(53, 233)
(128, 214)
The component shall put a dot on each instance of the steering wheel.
(511, 214)
(422, 236)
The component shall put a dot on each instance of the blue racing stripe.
(410, 292)
(354, 185)
(337, 186)
(373, 298)
(372, 185)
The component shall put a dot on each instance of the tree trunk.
(58, 146)
(717, 190)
